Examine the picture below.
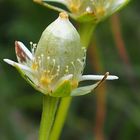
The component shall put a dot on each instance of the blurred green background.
(117, 43)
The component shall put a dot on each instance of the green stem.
(48, 115)
(60, 118)
(86, 31)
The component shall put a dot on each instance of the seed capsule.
(54, 66)
(59, 51)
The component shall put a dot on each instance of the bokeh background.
(112, 112)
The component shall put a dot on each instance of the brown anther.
(103, 79)
(20, 53)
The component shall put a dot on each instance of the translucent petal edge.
(14, 64)
(24, 48)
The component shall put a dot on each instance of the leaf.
(63, 90)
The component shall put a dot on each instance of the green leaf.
(84, 90)
(63, 90)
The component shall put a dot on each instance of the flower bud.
(59, 53)
(55, 64)
(88, 10)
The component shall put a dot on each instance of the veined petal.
(87, 89)
(115, 6)
(119, 3)
(15, 64)
(98, 77)
(64, 78)
(22, 53)
(67, 77)
(83, 90)
(26, 73)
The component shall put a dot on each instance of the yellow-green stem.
(86, 30)
(60, 118)
(48, 115)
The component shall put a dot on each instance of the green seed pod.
(59, 53)
(54, 66)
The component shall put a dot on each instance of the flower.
(55, 65)
(87, 10)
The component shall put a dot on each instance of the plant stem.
(86, 31)
(48, 5)
(48, 114)
(65, 102)
(97, 65)
(60, 118)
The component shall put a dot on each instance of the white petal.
(23, 67)
(87, 89)
(67, 77)
(25, 50)
(98, 77)
(116, 5)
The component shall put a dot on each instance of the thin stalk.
(48, 115)
(60, 118)
(65, 102)
(48, 5)
(86, 31)
(120, 45)
(119, 41)
(97, 65)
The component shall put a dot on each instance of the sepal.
(22, 53)
(63, 90)
(15, 64)
(24, 72)
(87, 89)
(29, 81)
